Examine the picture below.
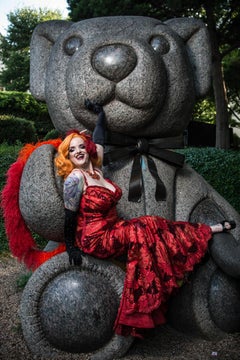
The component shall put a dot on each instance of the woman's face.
(78, 154)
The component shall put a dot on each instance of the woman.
(159, 252)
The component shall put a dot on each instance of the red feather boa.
(21, 241)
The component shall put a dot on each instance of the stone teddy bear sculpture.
(147, 74)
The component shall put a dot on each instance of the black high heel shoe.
(232, 224)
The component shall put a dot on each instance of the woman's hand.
(75, 255)
(99, 131)
(93, 106)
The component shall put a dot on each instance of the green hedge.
(15, 129)
(221, 169)
(8, 155)
(53, 134)
(24, 105)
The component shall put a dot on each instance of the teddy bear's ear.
(195, 35)
(43, 38)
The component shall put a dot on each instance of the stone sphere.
(77, 314)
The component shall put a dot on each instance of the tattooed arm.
(72, 192)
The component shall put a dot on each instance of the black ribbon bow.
(126, 146)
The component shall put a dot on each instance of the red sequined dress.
(159, 253)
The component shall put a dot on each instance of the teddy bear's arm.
(40, 197)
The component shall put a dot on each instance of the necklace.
(93, 175)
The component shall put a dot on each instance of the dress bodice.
(98, 199)
(97, 209)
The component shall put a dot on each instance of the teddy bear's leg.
(207, 304)
(68, 309)
(222, 248)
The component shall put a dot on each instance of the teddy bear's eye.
(160, 44)
(72, 45)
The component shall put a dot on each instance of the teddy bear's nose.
(114, 62)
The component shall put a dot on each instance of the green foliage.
(220, 168)
(22, 23)
(8, 155)
(3, 240)
(224, 13)
(53, 134)
(15, 129)
(24, 105)
(231, 65)
(15, 46)
(205, 111)
(86, 9)
(18, 64)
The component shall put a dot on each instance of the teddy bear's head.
(146, 73)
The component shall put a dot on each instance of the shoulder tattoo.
(72, 191)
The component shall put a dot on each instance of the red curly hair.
(62, 162)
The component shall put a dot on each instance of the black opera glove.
(99, 131)
(70, 225)
(75, 255)
(93, 106)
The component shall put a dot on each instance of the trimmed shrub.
(15, 129)
(8, 155)
(220, 168)
(24, 105)
(53, 134)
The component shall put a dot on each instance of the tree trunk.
(222, 128)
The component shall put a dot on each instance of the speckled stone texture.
(208, 304)
(39, 187)
(147, 95)
(77, 315)
(71, 309)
